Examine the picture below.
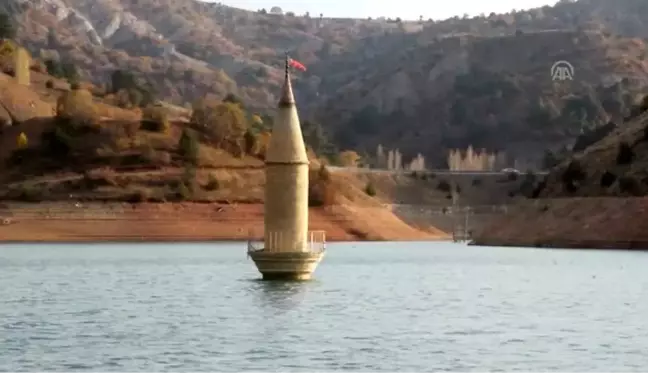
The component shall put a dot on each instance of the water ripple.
(375, 307)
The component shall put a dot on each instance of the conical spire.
(286, 143)
(287, 99)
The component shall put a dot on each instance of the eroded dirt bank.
(114, 222)
(588, 223)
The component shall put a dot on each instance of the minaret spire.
(287, 99)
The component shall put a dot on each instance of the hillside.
(184, 49)
(596, 197)
(615, 165)
(484, 80)
(75, 168)
(495, 93)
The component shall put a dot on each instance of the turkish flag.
(296, 64)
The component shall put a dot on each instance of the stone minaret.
(289, 250)
(286, 169)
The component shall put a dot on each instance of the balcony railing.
(316, 242)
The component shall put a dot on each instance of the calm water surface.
(378, 307)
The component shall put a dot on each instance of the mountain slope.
(421, 86)
(495, 93)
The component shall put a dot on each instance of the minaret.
(290, 251)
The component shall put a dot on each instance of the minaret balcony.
(315, 243)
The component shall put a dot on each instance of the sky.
(405, 9)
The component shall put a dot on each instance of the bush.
(593, 136)
(139, 196)
(625, 154)
(370, 189)
(444, 186)
(573, 175)
(29, 193)
(607, 179)
(183, 192)
(632, 186)
(323, 173)
(539, 188)
(320, 188)
(212, 183)
(189, 147)
(76, 107)
(155, 119)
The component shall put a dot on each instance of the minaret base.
(286, 266)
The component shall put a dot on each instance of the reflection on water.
(281, 295)
(371, 307)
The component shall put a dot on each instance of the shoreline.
(582, 223)
(64, 222)
(584, 245)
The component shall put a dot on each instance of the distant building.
(276, 10)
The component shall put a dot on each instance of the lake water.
(371, 307)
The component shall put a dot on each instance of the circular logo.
(562, 70)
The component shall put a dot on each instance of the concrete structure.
(289, 251)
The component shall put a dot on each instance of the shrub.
(139, 196)
(444, 186)
(212, 183)
(323, 173)
(539, 188)
(183, 192)
(76, 106)
(644, 137)
(370, 189)
(320, 188)
(593, 136)
(573, 175)
(630, 185)
(29, 193)
(188, 147)
(155, 119)
(607, 179)
(625, 154)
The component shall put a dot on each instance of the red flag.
(296, 64)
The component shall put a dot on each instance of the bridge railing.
(316, 242)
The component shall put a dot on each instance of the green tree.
(314, 136)
(156, 119)
(7, 29)
(70, 72)
(54, 68)
(225, 123)
(188, 147)
(232, 98)
(122, 80)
